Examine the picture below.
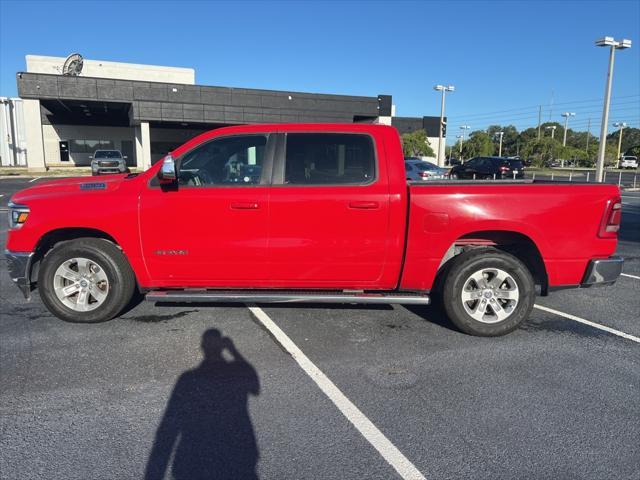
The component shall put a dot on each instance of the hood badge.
(93, 186)
(171, 252)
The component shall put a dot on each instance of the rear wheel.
(488, 292)
(455, 176)
(86, 280)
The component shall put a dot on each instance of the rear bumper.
(19, 266)
(602, 272)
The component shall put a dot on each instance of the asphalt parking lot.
(323, 392)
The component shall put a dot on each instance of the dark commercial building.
(145, 111)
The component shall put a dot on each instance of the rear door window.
(329, 159)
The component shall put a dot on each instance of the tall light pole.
(444, 89)
(613, 45)
(460, 142)
(464, 128)
(553, 130)
(621, 126)
(500, 134)
(566, 116)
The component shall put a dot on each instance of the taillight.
(504, 169)
(425, 174)
(611, 220)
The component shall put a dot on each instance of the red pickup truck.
(300, 212)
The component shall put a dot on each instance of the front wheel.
(86, 280)
(488, 292)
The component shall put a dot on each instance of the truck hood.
(69, 187)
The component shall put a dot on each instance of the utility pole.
(441, 151)
(553, 130)
(613, 44)
(500, 134)
(566, 116)
(588, 134)
(463, 128)
(621, 126)
(539, 120)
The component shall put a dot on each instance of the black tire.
(461, 269)
(455, 176)
(122, 282)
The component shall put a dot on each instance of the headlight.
(18, 214)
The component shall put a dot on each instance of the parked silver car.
(108, 161)
(420, 170)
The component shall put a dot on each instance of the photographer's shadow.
(206, 431)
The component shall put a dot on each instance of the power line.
(531, 107)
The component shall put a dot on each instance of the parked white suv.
(628, 161)
(108, 161)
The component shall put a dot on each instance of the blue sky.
(500, 55)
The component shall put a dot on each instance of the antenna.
(73, 65)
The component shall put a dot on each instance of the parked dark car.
(487, 167)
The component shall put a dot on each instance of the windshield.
(107, 154)
(422, 166)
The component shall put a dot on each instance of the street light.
(552, 128)
(444, 89)
(613, 45)
(566, 116)
(500, 134)
(621, 126)
(463, 128)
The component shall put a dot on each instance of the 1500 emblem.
(171, 252)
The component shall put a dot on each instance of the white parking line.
(630, 276)
(588, 322)
(34, 179)
(369, 431)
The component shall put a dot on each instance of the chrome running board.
(245, 296)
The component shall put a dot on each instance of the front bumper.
(603, 272)
(19, 266)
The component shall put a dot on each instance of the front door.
(211, 230)
(329, 212)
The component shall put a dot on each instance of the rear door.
(329, 211)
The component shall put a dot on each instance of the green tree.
(510, 139)
(541, 151)
(416, 144)
(479, 144)
(630, 138)
(635, 151)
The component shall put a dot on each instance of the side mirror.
(167, 172)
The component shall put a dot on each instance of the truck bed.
(560, 218)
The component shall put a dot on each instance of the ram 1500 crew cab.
(322, 213)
